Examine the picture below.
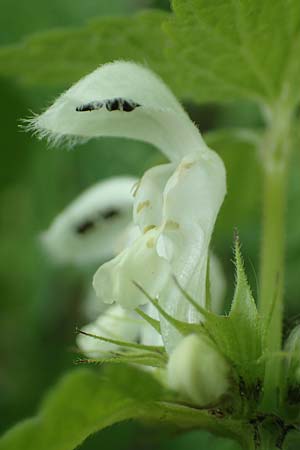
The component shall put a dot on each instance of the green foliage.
(230, 49)
(244, 318)
(20, 18)
(53, 57)
(206, 51)
(239, 335)
(84, 402)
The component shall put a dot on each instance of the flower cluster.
(175, 206)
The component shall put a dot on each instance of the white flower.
(175, 205)
(91, 228)
(116, 323)
(96, 106)
(198, 371)
(176, 218)
(98, 234)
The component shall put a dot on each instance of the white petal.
(140, 262)
(115, 323)
(88, 229)
(129, 235)
(192, 199)
(148, 203)
(156, 116)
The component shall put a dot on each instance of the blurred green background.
(40, 303)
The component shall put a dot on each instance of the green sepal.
(152, 322)
(239, 335)
(141, 358)
(184, 328)
(126, 344)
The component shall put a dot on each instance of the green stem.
(267, 439)
(275, 156)
(272, 276)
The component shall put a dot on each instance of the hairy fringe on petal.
(31, 125)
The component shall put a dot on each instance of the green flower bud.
(198, 371)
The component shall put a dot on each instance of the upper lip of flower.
(91, 227)
(121, 99)
(175, 205)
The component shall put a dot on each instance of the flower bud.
(198, 371)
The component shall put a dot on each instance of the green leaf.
(53, 57)
(82, 403)
(192, 418)
(239, 335)
(87, 401)
(216, 51)
(236, 49)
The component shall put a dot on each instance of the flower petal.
(113, 281)
(89, 228)
(122, 99)
(116, 323)
(148, 203)
(192, 199)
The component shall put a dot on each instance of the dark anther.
(113, 105)
(129, 106)
(87, 107)
(84, 227)
(110, 213)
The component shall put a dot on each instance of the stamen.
(113, 104)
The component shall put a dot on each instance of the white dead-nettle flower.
(116, 323)
(198, 371)
(83, 234)
(119, 324)
(90, 228)
(175, 205)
